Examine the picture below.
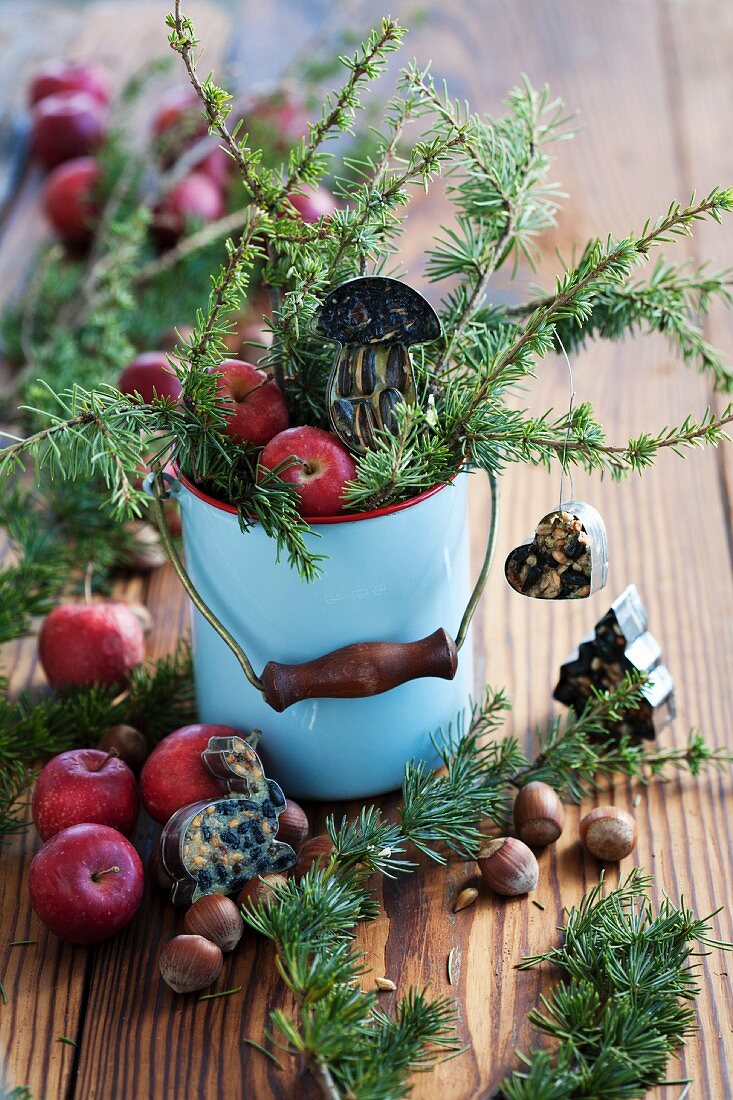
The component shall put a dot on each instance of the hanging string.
(567, 431)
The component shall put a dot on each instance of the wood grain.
(650, 79)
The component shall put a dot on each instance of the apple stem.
(88, 573)
(100, 874)
(113, 754)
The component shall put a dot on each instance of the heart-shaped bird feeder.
(566, 560)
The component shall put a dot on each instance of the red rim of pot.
(314, 521)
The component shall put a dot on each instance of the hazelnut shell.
(608, 833)
(316, 850)
(156, 871)
(259, 888)
(131, 745)
(509, 866)
(216, 918)
(293, 827)
(188, 963)
(538, 814)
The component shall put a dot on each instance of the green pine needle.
(623, 1005)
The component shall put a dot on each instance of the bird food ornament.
(567, 559)
(621, 643)
(375, 320)
(215, 846)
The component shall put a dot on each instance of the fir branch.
(367, 63)
(15, 781)
(671, 302)
(30, 583)
(449, 808)
(622, 1009)
(502, 198)
(159, 698)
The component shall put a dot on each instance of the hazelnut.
(293, 827)
(260, 888)
(608, 833)
(156, 871)
(188, 963)
(538, 814)
(315, 851)
(217, 919)
(130, 744)
(509, 866)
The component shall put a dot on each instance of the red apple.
(85, 785)
(151, 375)
(196, 198)
(259, 411)
(66, 125)
(69, 76)
(86, 883)
(96, 643)
(313, 203)
(323, 467)
(179, 106)
(214, 162)
(175, 775)
(69, 202)
(281, 114)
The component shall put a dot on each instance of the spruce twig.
(622, 1008)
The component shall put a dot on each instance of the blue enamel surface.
(388, 578)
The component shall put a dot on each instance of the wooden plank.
(668, 535)
(47, 982)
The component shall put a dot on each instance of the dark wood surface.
(652, 82)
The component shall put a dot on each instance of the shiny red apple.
(212, 161)
(66, 125)
(196, 198)
(98, 643)
(69, 199)
(69, 76)
(151, 375)
(321, 470)
(179, 105)
(86, 883)
(175, 775)
(258, 411)
(85, 785)
(313, 203)
(282, 113)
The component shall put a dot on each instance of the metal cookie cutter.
(620, 643)
(216, 846)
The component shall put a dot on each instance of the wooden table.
(651, 80)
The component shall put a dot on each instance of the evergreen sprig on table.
(159, 698)
(623, 1007)
(353, 1048)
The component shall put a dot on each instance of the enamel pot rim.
(315, 521)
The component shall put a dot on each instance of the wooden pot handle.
(365, 668)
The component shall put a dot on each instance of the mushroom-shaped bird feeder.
(375, 320)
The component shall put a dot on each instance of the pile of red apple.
(70, 117)
(313, 461)
(86, 882)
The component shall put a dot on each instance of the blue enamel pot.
(394, 575)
